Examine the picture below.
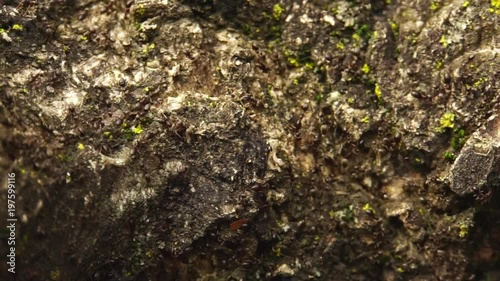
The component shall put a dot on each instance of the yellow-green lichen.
(394, 27)
(365, 69)
(495, 4)
(300, 58)
(331, 214)
(378, 92)
(480, 81)
(418, 160)
(137, 129)
(277, 11)
(444, 41)
(368, 208)
(293, 62)
(310, 65)
(148, 48)
(434, 6)
(448, 155)
(446, 121)
(413, 38)
(439, 64)
(17, 27)
(55, 275)
(108, 135)
(278, 249)
(140, 10)
(129, 133)
(464, 230)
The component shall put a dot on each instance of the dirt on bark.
(251, 140)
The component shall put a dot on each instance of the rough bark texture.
(252, 140)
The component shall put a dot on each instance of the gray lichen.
(476, 169)
(200, 139)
